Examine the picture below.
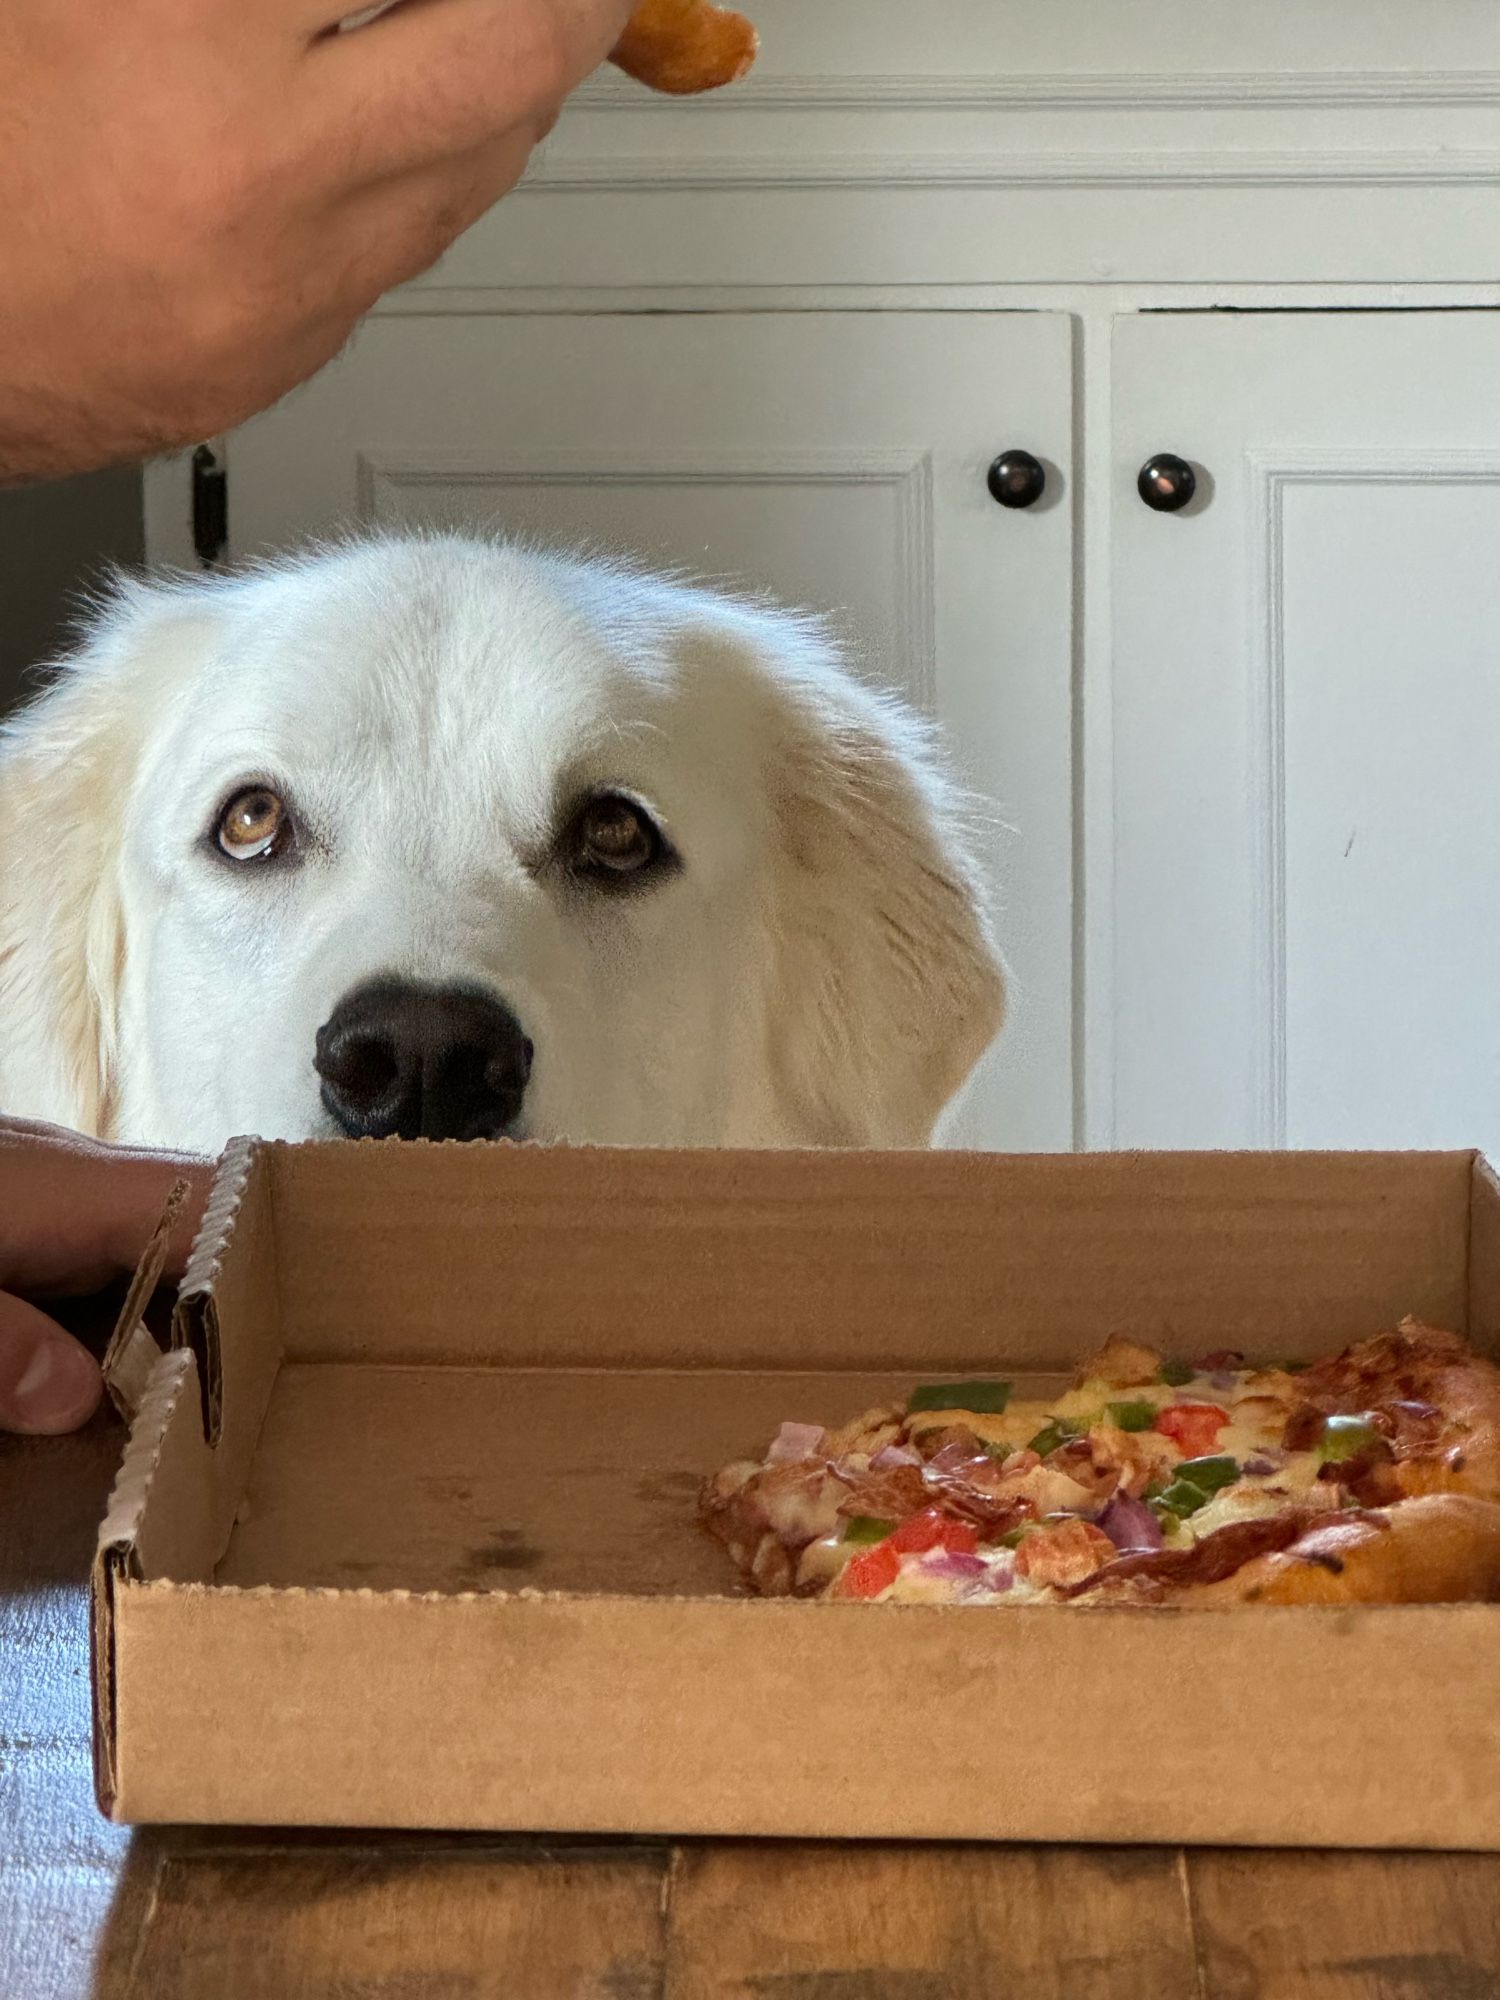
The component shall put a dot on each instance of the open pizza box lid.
(404, 1534)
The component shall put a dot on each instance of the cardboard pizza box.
(404, 1534)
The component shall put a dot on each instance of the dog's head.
(433, 835)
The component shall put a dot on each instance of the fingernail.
(56, 1389)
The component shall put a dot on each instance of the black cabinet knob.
(1016, 479)
(1166, 482)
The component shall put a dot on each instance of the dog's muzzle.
(403, 1060)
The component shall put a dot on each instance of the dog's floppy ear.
(888, 986)
(67, 763)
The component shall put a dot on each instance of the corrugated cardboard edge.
(195, 1323)
(144, 1386)
(116, 1558)
(132, 1353)
(1484, 1256)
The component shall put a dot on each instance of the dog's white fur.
(819, 972)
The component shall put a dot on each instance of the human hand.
(202, 198)
(74, 1214)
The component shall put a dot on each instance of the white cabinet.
(1241, 758)
(1306, 756)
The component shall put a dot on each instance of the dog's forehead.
(414, 662)
(450, 666)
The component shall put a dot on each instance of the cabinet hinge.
(210, 507)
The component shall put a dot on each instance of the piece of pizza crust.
(1440, 1548)
(1441, 1405)
(685, 46)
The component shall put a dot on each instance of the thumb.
(48, 1383)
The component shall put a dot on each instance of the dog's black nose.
(402, 1060)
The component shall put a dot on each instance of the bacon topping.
(1066, 1554)
(953, 1441)
(888, 1495)
(1218, 1555)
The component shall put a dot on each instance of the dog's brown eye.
(615, 836)
(254, 826)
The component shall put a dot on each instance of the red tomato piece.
(868, 1574)
(1192, 1427)
(932, 1529)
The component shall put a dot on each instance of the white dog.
(430, 835)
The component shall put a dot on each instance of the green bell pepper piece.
(1131, 1416)
(1181, 1498)
(991, 1397)
(1057, 1432)
(1344, 1438)
(1209, 1474)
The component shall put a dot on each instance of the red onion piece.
(1002, 1574)
(794, 1441)
(1130, 1523)
(890, 1455)
(952, 1565)
(1264, 1462)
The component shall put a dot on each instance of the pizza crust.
(1441, 1399)
(1440, 1548)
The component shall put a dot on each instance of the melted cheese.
(1088, 1402)
(1017, 1425)
(1256, 1404)
(1090, 1399)
(1252, 1498)
(914, 1585)
(1242, 1441)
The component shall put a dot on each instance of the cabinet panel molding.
(1273, 476)
(387, 485)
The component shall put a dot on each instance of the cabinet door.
(837, 460)
(1306, 730)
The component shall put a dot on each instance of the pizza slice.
(1373, 1477)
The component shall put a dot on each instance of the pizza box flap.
(183, 1473)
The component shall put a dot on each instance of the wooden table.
(89, 1909)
